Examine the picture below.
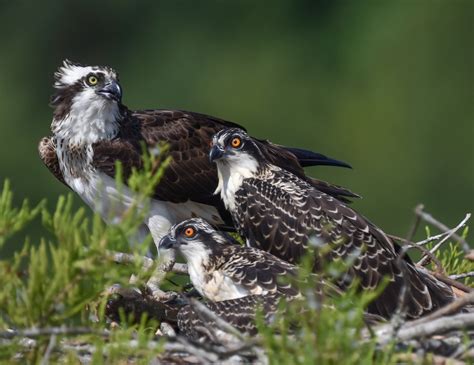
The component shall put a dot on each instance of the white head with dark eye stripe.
(194, 238)
(87, 103)
(237, 157)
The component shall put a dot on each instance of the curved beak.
(216, 153)
(167, 242)
(112, 91)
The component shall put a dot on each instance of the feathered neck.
(84, 119)
(231, 175)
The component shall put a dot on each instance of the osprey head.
(87, 102)
(237, 157)
(194, 238)
(233, 146)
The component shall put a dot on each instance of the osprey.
(278, 211)
(236, 280)
(220, 269)
(92, 130)
(240, 313)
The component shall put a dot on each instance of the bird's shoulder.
(155, 125)
(257, 270)
(275, 182)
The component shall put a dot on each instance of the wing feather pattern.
(239, 312)
(278, 212)
(190, 175)
(257, 271)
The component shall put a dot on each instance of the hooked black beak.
(112, 91)
(215, 153)
(167, 242)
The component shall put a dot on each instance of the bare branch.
(126, 258)
(429, 219)
(165, 264)
(462, 276)
(437, 326)
(49, 350)
(450, 233)
(49, 331)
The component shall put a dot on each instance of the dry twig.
(50, 331)
(126, 258)
(429, 219)
(450, 233)
(462, 276)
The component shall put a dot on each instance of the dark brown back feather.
(190, 176)
(279, 213)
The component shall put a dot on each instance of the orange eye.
(189, 232)
(236, 142)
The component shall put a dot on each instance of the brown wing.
(188, 135)
(47, 152)
(280, 216)
(240, 313)
(190, 175)
(255, 269)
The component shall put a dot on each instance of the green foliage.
(59, 280)
(453, 262)
(328, 329)
(321, 329)
(13, 219)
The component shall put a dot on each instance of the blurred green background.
(385, 85)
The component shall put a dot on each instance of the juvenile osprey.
(277, 211)
(240, 313)
(220, 269)
(236, 280)
(92, 129)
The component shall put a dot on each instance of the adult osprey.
(92, 129)
(278, 211)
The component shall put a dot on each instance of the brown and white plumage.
(240, 313)
(236, 280)
(279, 212)
(92, 130)
(220, 269)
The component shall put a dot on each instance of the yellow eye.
(189, 232)
(236, 142)
(92, 80)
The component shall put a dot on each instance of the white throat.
(92, 118)
(196, 257)
(231, 174)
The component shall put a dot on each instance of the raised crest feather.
(69, 73)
